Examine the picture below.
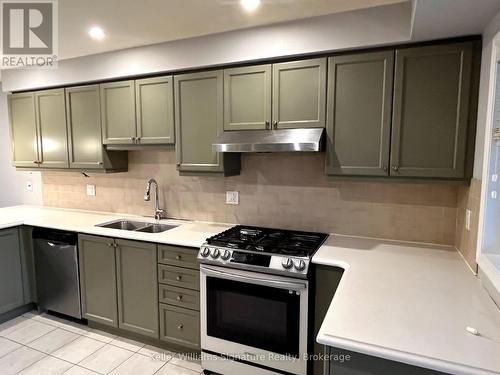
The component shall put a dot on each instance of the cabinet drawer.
(177, 276)
(181, 297)
(178, 256)
(180, 326)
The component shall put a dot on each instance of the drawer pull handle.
(179, 298)
(180, 327)
(110, 244)
(178, 278)
(178, 257)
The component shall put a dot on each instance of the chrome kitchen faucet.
(158, 211)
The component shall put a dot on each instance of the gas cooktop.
(268, 240)
(263, 249)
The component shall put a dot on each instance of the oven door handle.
(254, 280)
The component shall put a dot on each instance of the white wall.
(368, 27)
(13, 183)
(485, 84)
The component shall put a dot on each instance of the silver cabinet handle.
(178, 257)
(395, 168)
(180, 327)
(110, 244)
(385, 168)
(267, 125)
(275, 125)
(178, 278)
(179, 298)
(253, 280)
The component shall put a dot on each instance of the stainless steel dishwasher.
(57, 273)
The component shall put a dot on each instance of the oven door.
(255, 318)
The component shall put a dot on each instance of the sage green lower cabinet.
(180, 326)
(179, 295)
(247, 98)
(154, 100)
(327, 280)
(23, 130)
(359, 114)
(11, 275)
(137, 287)
(199, 121)
(431, 110)
(86, 150)
(352, 363)
(50, 110)
(118, 112)
(98, 279)
(299, 94)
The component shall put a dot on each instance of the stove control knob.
(205, 252)
(287, 263)
(226, 255)
(215, 253)
(300, 265)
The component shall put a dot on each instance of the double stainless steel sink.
(137, 226)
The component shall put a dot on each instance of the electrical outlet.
(467, 219)
(232, 197)
(29, 186)
(91, 190)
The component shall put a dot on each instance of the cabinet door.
(430, 114)
(98, 279)
(84, 127)
(51, 120)
(299, 94)
(23, 130)
(155, 110)
(11, 279)
(359, 114)
(137, 287)
(198, 120)
(118, 112)
(247, 98)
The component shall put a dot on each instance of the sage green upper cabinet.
(247, 98)
(136, 264)
(198, 120)
(11, 275)
(299, 94)
(359, 113)
(86, 150)
(431, 109)
(98, 279)
(118, 112)
(51, 120)
(155, 110)
(23, 130)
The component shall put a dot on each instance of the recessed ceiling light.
(250, 5)
(96, 33)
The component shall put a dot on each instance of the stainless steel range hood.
(283, 140)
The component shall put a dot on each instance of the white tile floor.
(35, 344)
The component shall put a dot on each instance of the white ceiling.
(131, 23)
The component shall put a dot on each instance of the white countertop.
(188, 233)
(410, 303)
(401, 301)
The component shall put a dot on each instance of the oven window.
(254, 315)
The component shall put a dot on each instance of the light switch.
(467, 219)
(29, 186)
(91, 190)
(232, 197)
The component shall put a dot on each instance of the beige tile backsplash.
(465, 240)
(280, 190)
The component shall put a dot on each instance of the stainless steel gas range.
(254, 300)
